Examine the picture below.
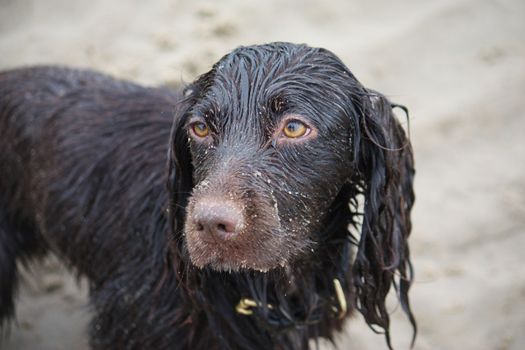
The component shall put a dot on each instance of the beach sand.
(458, 65)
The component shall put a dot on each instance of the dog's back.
(71, 141)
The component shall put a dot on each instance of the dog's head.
(266, 143)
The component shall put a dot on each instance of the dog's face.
(269, 151)
(270, 135)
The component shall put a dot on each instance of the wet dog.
(225, 215)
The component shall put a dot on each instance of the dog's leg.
(18, 243)
(8, 281)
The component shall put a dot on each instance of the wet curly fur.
(106, 174)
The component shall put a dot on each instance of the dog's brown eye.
(294, 129)
(200, 129)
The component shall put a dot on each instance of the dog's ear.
(385, 167)
(180, 167)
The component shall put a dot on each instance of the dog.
(255, 208)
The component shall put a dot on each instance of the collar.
(246, 305)
(276, 319)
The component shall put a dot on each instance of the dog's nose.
(221, 219)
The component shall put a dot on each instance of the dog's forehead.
(248, 81)
(271, 67)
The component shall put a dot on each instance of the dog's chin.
(204, 255)
(232, 266)
(215, 261)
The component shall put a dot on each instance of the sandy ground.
(458, 64)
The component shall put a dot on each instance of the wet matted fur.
(109, 176)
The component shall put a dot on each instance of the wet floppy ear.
(180, 167)
(385, 166)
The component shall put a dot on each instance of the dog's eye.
(295, 128)
(200, 129)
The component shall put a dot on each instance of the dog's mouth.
(229, 257)
(229, 235)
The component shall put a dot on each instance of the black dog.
(250, 246)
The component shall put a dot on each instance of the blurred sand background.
(459, 65)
